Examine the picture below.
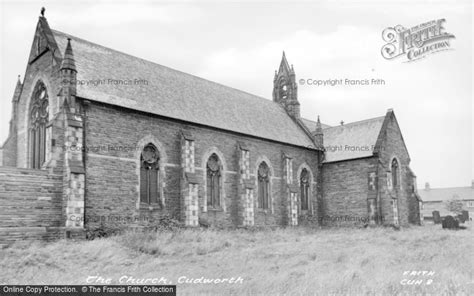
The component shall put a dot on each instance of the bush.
(101, 231)
(454, 205)
(165, 223)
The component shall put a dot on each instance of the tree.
(455, 205)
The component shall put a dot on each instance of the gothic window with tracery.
(304, 188)
(39, 113)
(213, 181)
(149, 175)
(263, 186)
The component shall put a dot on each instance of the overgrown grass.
(270, 262)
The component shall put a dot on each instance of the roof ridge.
(356, 122)
(308, 119)
(313, 121)
(443, 188)
(172, 69)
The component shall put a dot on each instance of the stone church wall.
(345, 191)
(46, 70)
(394, 147)
(346, 188)
(112, 168)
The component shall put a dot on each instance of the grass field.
(269, 262)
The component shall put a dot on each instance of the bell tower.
(285, 90)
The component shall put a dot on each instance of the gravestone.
(436, 217)
(465, 215)
(450, 223)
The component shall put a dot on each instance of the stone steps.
(10, 235)
(29, 194)
(28, 198)
(23, 170)
(34, 179)
(31, 206)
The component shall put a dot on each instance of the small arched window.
(39, 114)
(283, 89)
(304, 188)
(395, 173)
(149, 175)
(263, 185)
(213, 181)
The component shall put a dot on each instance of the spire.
(284, 66)
(318, 134)
(68, 60)
(68, 77)
(285, 90)
(18, 89)
(19, 85)
(15, 100)
(318, 126)
(42, 11)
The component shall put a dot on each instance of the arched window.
(213, 181)
(304, 188)
(149, 175)
(263, 185)
(283, 89)
(39, 114)
(395, 173)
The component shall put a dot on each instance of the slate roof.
(442, 194)
(352, 140)
(311, 125)
(177, 95)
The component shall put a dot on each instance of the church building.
(101, 138)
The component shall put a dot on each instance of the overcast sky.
(239, 44)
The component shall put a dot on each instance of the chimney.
(472, 184)
(427, 186)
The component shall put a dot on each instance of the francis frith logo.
(416, 42)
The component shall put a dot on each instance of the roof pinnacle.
(68, 60)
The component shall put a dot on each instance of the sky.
(240, 43)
